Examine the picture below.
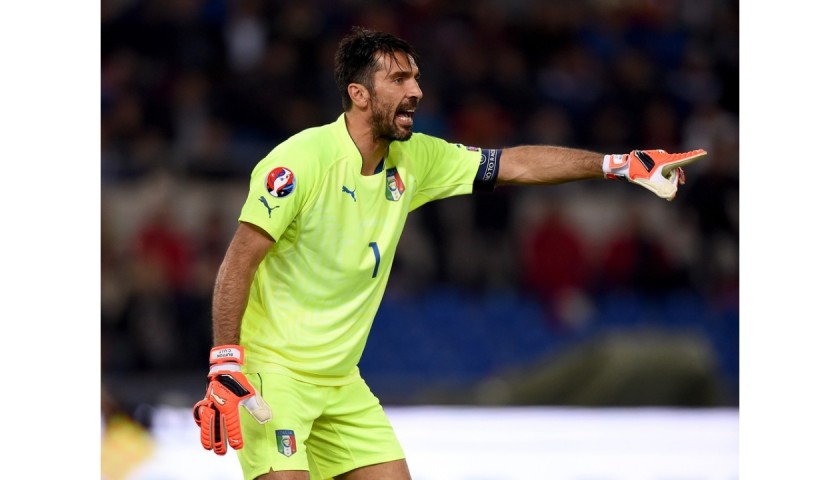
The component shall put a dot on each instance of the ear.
(359, 95)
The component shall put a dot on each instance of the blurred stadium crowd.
(195, 92)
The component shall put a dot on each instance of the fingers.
(233, 429)
(214, 427)
(197, 411)
(677, 178)
(209, 427)
(219, 436)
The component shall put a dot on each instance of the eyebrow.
(404, 73)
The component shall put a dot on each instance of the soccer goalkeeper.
(306, 269)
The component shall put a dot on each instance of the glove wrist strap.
(227, 354)
(616, 166)
(226, 367)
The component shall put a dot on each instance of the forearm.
(548, 165)
(230, 297)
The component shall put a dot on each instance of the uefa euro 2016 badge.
(286, 442)
(394, 186)
(280, 182)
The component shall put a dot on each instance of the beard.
(384, 121)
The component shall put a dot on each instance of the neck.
(372, 149)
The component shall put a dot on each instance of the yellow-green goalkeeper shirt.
(314, 296)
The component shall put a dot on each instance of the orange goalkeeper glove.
(218, 413)
(657, 170)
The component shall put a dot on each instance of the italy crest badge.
(394, 186)
(286, 443)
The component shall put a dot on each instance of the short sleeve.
(279, 188)
(445, 170)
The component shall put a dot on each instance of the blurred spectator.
(479, 120)
(554, 264)
(635, 79)
(115, 339)
(636, 260)
(150, 318)
(160, 245)
(660, 126)
(160, 263)
(195, 305)
(610, 129)
(191, 115)
(245, 35)
(714, 200)
(573, 78)
(549, 126)
(695, 81)
(710, 125)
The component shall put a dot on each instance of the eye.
(398, 80)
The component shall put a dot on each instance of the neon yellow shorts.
(327, 430)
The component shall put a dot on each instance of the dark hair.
(356, 58)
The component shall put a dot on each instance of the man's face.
(394, 97)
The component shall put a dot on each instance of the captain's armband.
(488, 170)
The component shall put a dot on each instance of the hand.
(218, 413)
(657, 170)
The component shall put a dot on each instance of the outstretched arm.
(545, 165)
(658, 171)
(230, 295)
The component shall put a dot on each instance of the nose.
(414, 90)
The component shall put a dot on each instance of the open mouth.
(404, 118)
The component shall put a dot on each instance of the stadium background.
(591, 294)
